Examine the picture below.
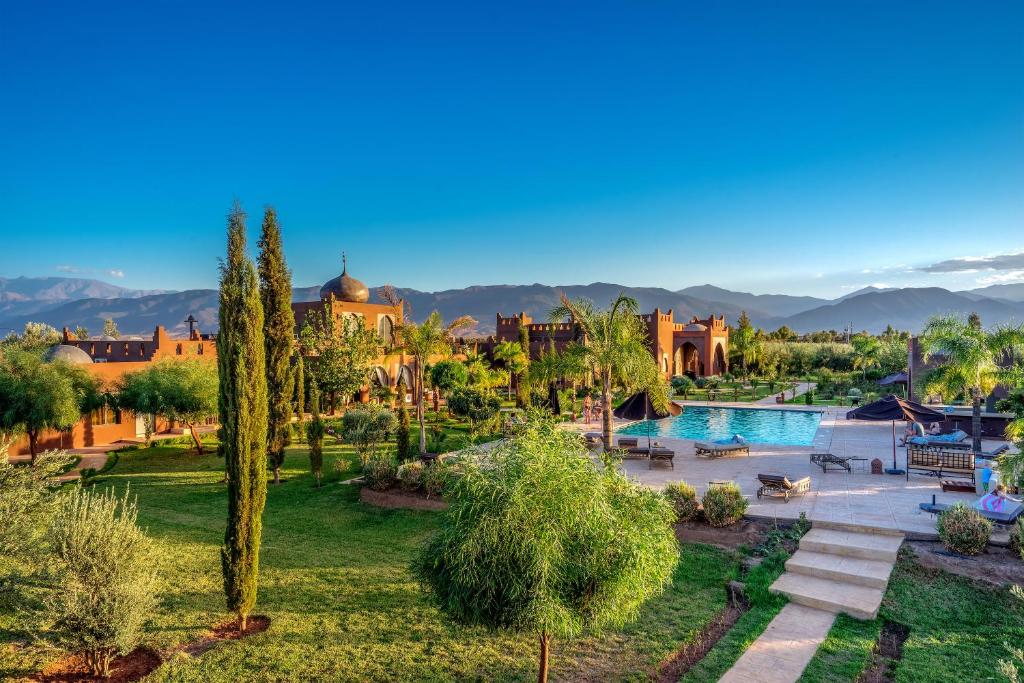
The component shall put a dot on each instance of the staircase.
(841, 568)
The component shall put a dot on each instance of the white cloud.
(1002, 278)
(972, 264)
(77, 270)
(115, 273)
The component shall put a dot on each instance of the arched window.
(386, 330)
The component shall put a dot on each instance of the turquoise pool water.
(783, 427)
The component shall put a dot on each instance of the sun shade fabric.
(639, 407)
(898, 378)
(894, 408)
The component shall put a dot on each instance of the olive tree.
(366, 429)
(105, 584)
(537, 538)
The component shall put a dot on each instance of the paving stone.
(860, 602)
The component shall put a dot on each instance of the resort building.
(698, 348)
(346, 299)
(108, 359)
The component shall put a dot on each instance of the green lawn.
(334, 579)
(727, 391)
(957, 629)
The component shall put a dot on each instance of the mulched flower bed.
(397, 498)
(673, 668)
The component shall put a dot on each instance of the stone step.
(860, 602)
(871, 573)
(852, 544)
(881, 528)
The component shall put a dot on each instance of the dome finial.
(344, 263)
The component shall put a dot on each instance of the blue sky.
(805, 148)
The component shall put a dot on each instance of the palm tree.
(865, 352)
(747, 342)
(423, 340)
(613, 346)
(971, 361)
(515, 359)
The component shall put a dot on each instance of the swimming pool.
(783, 427)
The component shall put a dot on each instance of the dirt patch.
(888, 651)
(400, 499)
(133, 666)
(227, 630)
(996, 566)
(673, 668)
(747, 532)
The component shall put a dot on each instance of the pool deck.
(887, 501)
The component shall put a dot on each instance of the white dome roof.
(68, 354)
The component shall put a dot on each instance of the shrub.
(410, 476)
(380, 472)
(105, 586)
(809, 397)
(1016, 533)
(963, 530)
(434, 478)
(724, 504)
(683, 498)
(366, 429)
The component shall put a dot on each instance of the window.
(386, 330)
(178, 350)
(105, 415)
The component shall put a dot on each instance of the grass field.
(334, 579)
(737, 391)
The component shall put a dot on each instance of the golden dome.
(345, 287)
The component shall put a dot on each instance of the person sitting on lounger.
(913, 429)
(933, 429)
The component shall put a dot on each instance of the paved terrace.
(888, 501)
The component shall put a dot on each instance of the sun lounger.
(662, 455)
(779, 485)
(994, 453)
(826, 460)
(1011, 511)
(627, 442)
(953, 440)
(717, 450)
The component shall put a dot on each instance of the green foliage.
(105, 586)
(963, 530)
(682, 384)
(536, 538)
(340, 353)
(435, 478)
(447, 375)
(683, 499)
(479, 408)
(776, 538)
(243, 418)
(410, 475)
(403, 446)
(380, 472)
(27, 503)
(278, 335)
(184, 390)
(300, 387)
(724, 504)
(1013, 668)
(809, 397)
(366, 429)
(1016, 534)
(36, 395)
(110, 329)
(315, 436)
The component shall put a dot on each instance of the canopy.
(890, 409)
(640, 407)
(898, 378)
(893, 407)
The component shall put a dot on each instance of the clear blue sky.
(803, 148)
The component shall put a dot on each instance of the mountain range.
(80, 301)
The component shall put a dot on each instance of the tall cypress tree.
(278, 336)
(242, 404)
(402, 444)
(300, 387)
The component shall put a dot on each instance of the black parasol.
(640, 407)
(892, 408)
(553, 403)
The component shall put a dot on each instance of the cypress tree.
(315, 435)
(242, 404)
(300, 387)
(278, 336)
(402, 433)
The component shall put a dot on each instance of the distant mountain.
(1011, 292)
(905, 309)
(870, 289)
(26, 295)
(756, 304)
(139, 313)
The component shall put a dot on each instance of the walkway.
(782, 652)
(801, 389)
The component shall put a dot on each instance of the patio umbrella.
(896, 378)
(553, 403)
(640, 407)
(893, 408)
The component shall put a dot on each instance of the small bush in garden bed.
(410, 476)
(380, 472)
(434, 478)
(683, 498)
(963, 530)
(1016, 533)
(724, 504)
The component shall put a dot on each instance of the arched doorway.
(691, 362)
(720, 366)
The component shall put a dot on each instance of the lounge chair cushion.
(922, 440)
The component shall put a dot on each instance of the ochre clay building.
(108, 359)
(697, 348)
